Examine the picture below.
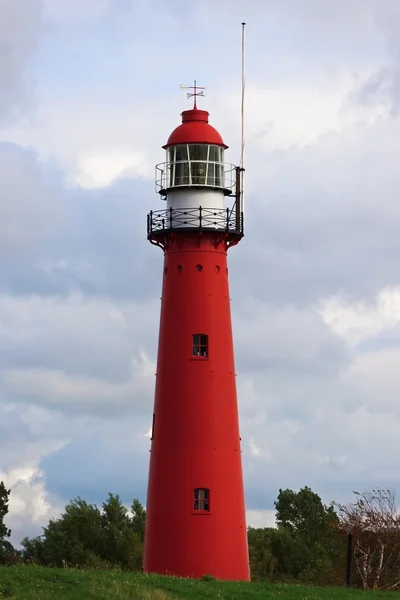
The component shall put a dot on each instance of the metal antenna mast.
(242, 114)
(239, 204)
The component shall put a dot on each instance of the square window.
(202, 499)
(200, 345)
(216, 154)
(198, 151)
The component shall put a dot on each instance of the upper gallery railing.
(197, 173)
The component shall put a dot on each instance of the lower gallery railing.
(224, 219)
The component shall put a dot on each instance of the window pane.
(201, 499)
(181, 173)
(200, 345)
(198, 151)
(216, 154)
(181, 153)
(219, 175)
(211, 174)
(198, 173)
(169, 175)
(170, 154)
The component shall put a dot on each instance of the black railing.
(201, 219)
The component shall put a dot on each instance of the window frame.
(187, 168)
(199, 345)
(202, 497)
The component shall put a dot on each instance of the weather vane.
(197, 91)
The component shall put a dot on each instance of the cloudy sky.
(89, 93)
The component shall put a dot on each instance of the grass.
(37, 583)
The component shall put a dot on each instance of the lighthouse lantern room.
(195, 506)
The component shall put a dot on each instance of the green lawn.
(37, 583)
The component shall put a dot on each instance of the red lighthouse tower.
(196, 522)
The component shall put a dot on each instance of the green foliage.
(7, 551)
(4, 499)
(303, 512)
(306, 545)
(34, 550)
(85, 536)
(38, 583)
(138, 519)
(121, 544)
(261, 553)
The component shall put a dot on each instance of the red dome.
(195, 129)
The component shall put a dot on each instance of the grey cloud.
(92, 242)
(279, 406)
(77, 335)
(24, 434)
(329, 448)
(107, 234)
(376, 89)
(293, 253)
(283, 354)
(29, 204)
(381, 87)
(104, 456)
(294, 361)
(74, 11)
(309, 241)
(15, 435)
(77, 310)
(28, 434)
(335, 227)
(20, 29)
(286, 340)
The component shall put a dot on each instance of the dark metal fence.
(209, 219)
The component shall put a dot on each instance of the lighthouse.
(196, 522)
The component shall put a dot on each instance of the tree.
(34, 550)
(138, 519)
(373, 521)
(121, 543)
(6, 549)
(72, 539)
(86, 536)
(4, 499)
(311, 549)
(303, 512)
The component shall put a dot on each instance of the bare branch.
(373, 521)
